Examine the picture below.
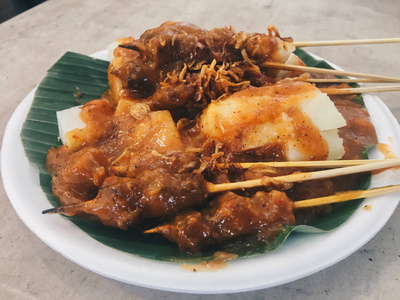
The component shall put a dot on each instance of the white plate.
(301, 255)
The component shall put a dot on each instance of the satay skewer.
(299, 177)
(336, 198)
(346, 196)
(345, 80)
(283, 66)
(345, 42)
(362, 90)
(312, 164)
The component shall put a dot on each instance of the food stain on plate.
(218, 262)
(367, 208)
(388, 150)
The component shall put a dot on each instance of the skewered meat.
(77, 176)
(190, 66)
(122, 201)
(230, 216)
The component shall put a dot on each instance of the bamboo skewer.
(345, 42)
(363, 90)
(268, 64)
(346, 196)
(298, 177)
(313, 164)
(344, 80)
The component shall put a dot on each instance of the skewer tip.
(152, 230)
(54, 210)
(158, 229)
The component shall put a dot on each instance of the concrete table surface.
(33, 41)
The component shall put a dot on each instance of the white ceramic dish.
(301, 255)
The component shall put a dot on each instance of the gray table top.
(34, 40)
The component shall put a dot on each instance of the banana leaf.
(76, 79)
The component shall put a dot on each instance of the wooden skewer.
(344, 80)
(155, 229)
(345, 42)
(268, 64)
(313, 164)
(345, 196)
(298, 177)
(363, 90)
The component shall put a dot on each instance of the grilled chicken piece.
(77, 176)
(122, 202)
(228, 217)
(190, 66)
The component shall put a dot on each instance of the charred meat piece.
(189, 66)
(122, 202)
(173, 41)
(77, 176)
(228, 217)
